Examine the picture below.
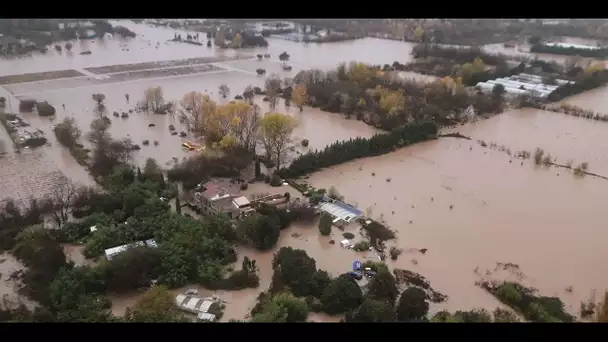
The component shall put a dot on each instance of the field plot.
(187, 70)
(162, 64)
(28, 176)
(39, 76)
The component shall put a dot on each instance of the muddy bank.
(40, 76)
(163, 64)
(136, 75)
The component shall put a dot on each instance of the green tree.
(412, 305)
(157, 305)
(276, 129)
(498, 90)
(40, 252)
(325, 224)
(76, 296)
(152, 171)
(261, 230)
(178, 205)
(341, 295)
(383, 287)
(282, 307)
(67, 132)
(372, 310)
(293, 268)
(132, 269)
(504, 316)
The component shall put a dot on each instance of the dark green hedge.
(343, 151)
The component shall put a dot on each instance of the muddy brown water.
(548, 224)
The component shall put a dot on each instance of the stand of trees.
(381, 99)
(586, 80)
(569, 51)
(470, 65)
(526, 301)
(299, 287)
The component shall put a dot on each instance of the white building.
(573, 46)
(522, 84)
(114, 251)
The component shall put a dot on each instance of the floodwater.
(8, 287)
(543, 219)
(522, 49)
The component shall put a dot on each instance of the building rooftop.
(241, 202)
(213, 191)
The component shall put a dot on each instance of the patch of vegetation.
(340, 152)
(569, 51)
(526, 301)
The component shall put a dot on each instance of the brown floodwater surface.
(543, 219)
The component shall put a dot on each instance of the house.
(213, 199)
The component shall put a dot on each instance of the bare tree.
(153, 98)
(62, 197)
(100, 107)
(192, 104)
(249, 94)
(273, 87)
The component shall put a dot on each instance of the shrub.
(325, 224)
(304, 142)
(276, 181)
(27, 105)
(45, 109)
(244, 186)
(362, 246)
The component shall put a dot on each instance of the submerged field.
(471, 207)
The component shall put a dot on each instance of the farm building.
(114, 251)
(341, 212)
(522, 84)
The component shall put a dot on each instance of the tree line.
(299, 287)
(382, 99)
(569, 51)
(343, 151)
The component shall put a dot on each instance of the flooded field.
(8, 286)
(78, 104)
(543, 219)
(470, 207)
(27, 176)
